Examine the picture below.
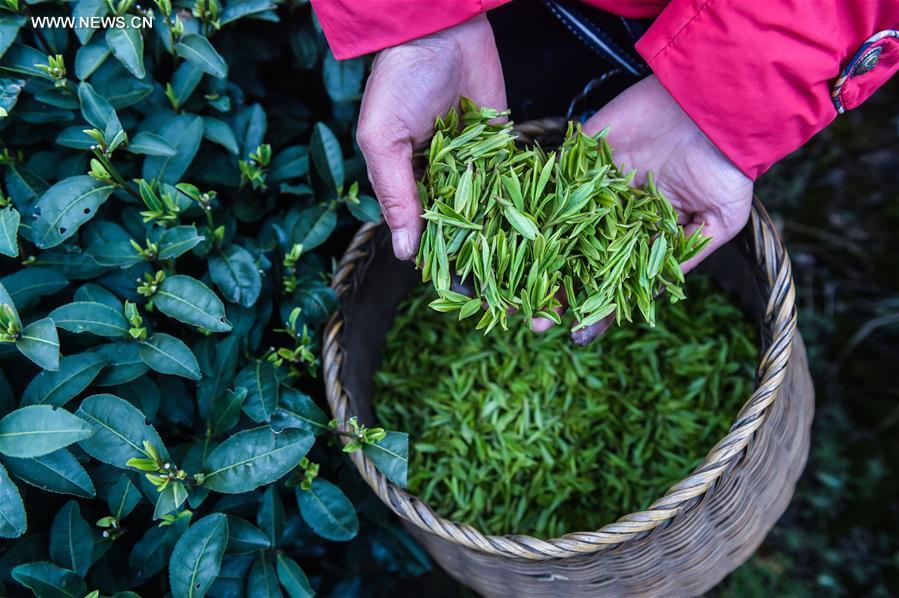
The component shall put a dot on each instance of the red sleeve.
(357, 27)
(760, 78)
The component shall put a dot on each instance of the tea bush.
(166, 192)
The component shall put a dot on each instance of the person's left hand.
(649, 131)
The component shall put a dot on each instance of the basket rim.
(779, 320)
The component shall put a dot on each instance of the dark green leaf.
(75, 138)
(270, 517)
(185, 81)
(9, 230)
(49, 581)
(253, 458)
(71, 539)
(127, 46)
(122, 497)
(237, 9)
(169, 355)
(28, 285)
(225, 410)
(292, 577)
(88, 316)
(297, 410)
(391, 456)
(152, 552)
(343, 78)
(39, 430)
(312, 226)
(190, 301)
(235, 273)
(328, 511)
(124, 364)
(367, 210)
(197, 50)
(260, 378)
(184, 133)
(218, 131)
(170, 499)
(9, 29)
(57, 472)
(120, 430)
(327, 156)
(65, 207)
(13, 520)
(289, 163)
(262, 581)
(151, 144)
(244, 537)
(39, 342)
(197, 557)
(20, 58)
(75, 373)
(95, 108)
(88, 8)
(89, 58)
(177, 241)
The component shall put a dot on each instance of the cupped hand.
(409, 87)
(650, 132)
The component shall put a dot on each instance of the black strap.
(596, 39)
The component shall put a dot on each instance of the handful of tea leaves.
(523, 225)
(522, 433)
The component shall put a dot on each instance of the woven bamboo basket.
(683, 544)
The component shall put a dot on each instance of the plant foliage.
(164, 192)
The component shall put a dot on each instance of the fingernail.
(402, 244)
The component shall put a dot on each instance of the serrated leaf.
(9, 231)
(244, 537)
(190, 301)
(169, 355)
(13, 520)
(151, 144)
(119, 430)
(39, 342)
(92, 317)
(177, 241)
(65, 207)
(260, 378)
(184, 133)
(197, 50)
(57, 472)
(327, 156)
(75, 373)
(71, 539)
(197, 557)
(312, 226)
(218, 131)
(292, 577)
(127, 46)
(49, 581)
(253, 458)
(39, 430)
(328, 511)
(28, 285)
(298, 410)
(235, 273)
(391, 456)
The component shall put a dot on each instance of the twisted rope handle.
(779, 320)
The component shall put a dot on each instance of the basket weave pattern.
(686, 541)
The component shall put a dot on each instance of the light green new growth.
(523, 226)
(528, 434)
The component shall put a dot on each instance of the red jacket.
(759, 77)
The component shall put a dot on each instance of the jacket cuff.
(357, 27)
(755, 91)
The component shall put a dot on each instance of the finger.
(389, 164)
(543, 324)
(588, 334)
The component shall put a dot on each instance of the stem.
(116, 176)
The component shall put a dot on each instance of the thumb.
(389, 166)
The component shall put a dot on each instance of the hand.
(409, 87)
(649, 131)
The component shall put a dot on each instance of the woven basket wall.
(683, 544)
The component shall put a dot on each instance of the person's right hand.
(409, 87)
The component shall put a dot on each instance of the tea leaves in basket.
(527, 434)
